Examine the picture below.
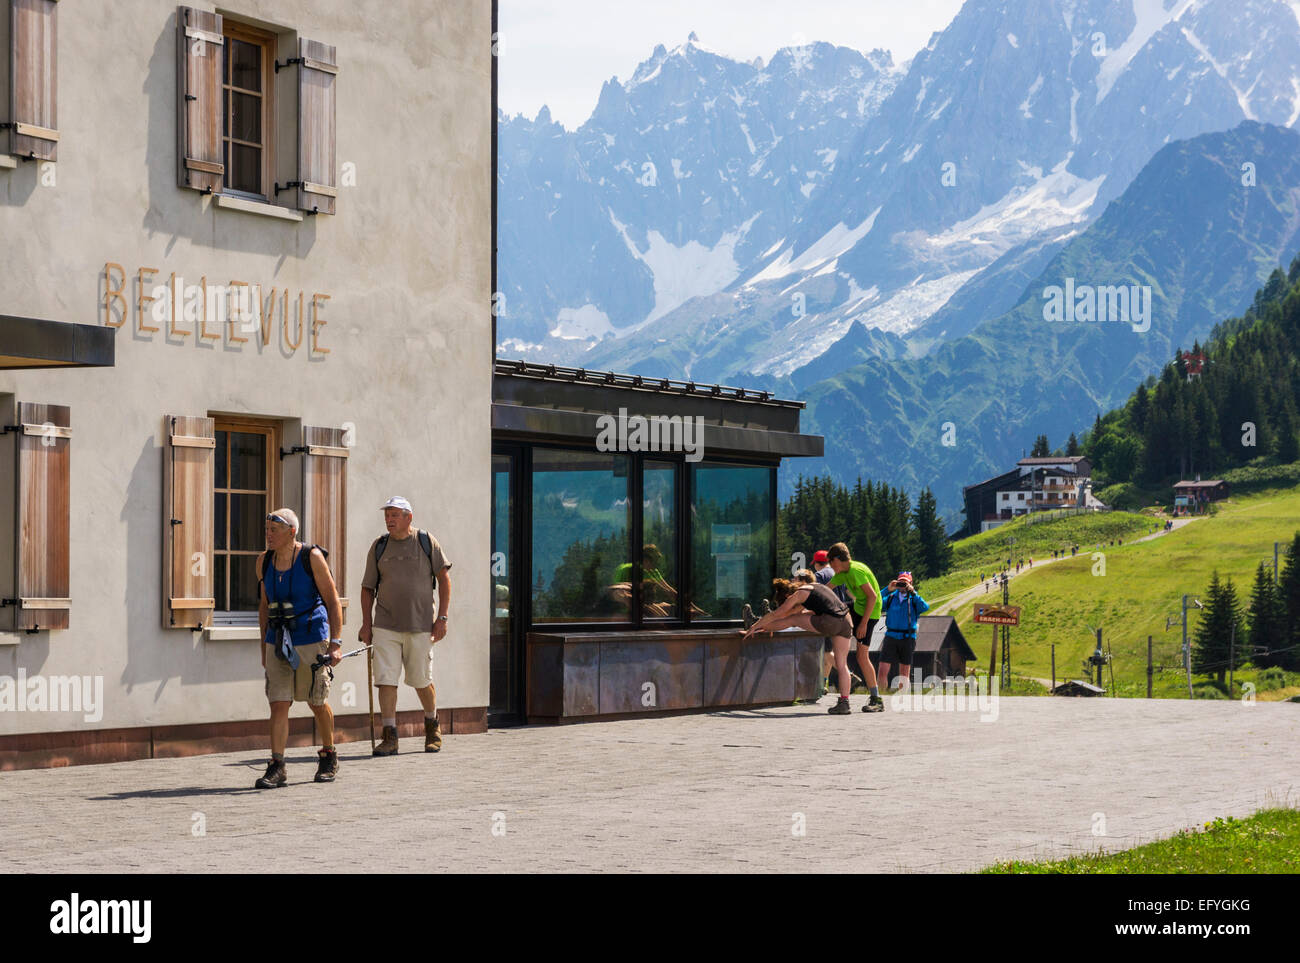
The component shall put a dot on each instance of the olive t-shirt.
(404, 601)
(858, 574)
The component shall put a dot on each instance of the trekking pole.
(370, 689)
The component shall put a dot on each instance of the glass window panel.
(220, 473)
(659, 578)
(580, 536)
(244, 168)
(245, 64)
(247, 523)
(246, 117)
(731, 538)
(243, 583)
(501, 689)
(219, 577)
(219, 519)
(247, 460)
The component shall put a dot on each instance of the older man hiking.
(401, 569)
(863, 588)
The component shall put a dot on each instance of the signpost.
(1000, 617)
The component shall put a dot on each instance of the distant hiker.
(864, 590)
(902, 607)
(407, 564)
(816, 608)
(299, 615)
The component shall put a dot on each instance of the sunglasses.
(277, 518)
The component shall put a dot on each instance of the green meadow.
(1129, 590)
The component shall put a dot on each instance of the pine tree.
(932, 544)
(1289, 595)
(1041, 448)
(1267, 620)
(1072, 446)
(1211, 644)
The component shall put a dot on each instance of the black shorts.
(897, 651)
(858, 620)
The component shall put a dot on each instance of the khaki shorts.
(397, 650)
(284, 684)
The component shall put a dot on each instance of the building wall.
(406, 263)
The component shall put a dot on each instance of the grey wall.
(406, 263)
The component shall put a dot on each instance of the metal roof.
(610, 379)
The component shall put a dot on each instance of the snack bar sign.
(997, 614)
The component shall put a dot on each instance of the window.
(245, 489)
(581, 537)
(246, 114)
(732, 538)
(660, 579)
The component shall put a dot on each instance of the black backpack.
(426, 543)
(304, 559)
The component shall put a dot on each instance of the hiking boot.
(389, 745)
(841, 708)
(275, 776)
(328, 767)
(874, 704)
(432, 735)
(747, 613)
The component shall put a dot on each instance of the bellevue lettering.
(105, 916)
(236, 312)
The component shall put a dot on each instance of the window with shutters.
(230, 86)
(28, 58)
(245, 488)
(247, 122)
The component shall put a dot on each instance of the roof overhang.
(551, 424)
(32, 343)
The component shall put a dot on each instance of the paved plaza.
(920, 791)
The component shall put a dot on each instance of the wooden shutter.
(200, 52)
(44, 516)
(33, 87)
(317, 181)
(188, 476)
(325, 498)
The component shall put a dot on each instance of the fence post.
(1149, 670)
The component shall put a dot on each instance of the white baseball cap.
(397, 501)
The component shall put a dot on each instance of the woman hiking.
(818, 609)
(300, 616)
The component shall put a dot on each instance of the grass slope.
(1267, 842)
(1130, 590)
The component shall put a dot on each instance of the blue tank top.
(311, 621)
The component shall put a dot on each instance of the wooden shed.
(941, 648)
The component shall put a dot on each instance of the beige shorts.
(395, 650)
(284, 684)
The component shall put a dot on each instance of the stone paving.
(918, 791)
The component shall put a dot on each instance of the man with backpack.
(401, 569)
(902, 607)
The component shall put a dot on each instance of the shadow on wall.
(184, 213)
(155, 653)
(19, 183)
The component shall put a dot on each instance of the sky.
(560, 52)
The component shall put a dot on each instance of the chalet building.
(1034, 485)
(1193, 497)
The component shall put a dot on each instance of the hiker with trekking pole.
(902, 607)
(402, 569)
(300, 617)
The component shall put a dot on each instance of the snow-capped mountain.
(730, 221)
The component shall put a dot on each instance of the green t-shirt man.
(857, 574)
